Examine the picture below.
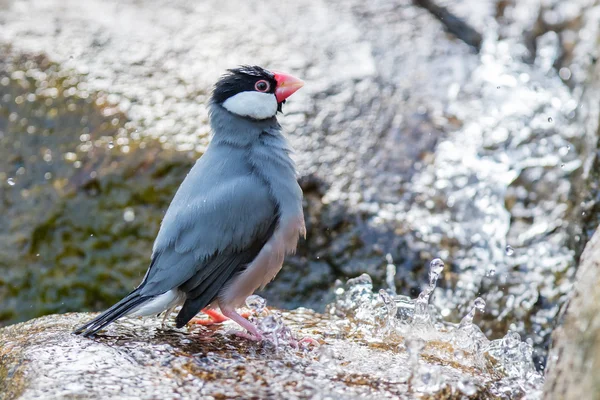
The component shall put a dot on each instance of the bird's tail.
(122, 308)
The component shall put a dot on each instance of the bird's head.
(254, 92)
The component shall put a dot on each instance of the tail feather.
(117, 311)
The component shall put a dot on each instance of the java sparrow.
(235, 216)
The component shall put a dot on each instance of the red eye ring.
(262, 86)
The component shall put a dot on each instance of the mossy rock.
(82, 201)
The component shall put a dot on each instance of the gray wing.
(218, 221)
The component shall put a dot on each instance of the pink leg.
(253, 334)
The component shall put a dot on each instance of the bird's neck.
(239, 131)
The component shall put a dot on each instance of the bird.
(235, 216)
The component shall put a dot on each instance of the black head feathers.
(242, 79)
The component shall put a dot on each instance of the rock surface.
(137, 359)
(574, 358)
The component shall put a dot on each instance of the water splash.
(478, 304)
(256, 304)
(422, 318)
(390, 273)
(416, 327)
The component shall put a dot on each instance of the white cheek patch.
(252, 104)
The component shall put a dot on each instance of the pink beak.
(287, 85)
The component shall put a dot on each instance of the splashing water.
(422, 318)
(404, 342)
(256, 304)
(416, 328)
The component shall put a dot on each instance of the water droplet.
(270, 324)
(512, 339)
(549, 119)
(509, 250)
(256, 303)
(390, 306)
(359, 289)
(564, 73)
(11, 182)
(129, 214)
(390, 276)
(467, 321)
(362, 280)
(562, 165)
(48, 175)
(491, 272)
(436, 266)
(421, 317)
(110, 144)
(479, 304)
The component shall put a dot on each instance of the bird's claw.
(246, 335)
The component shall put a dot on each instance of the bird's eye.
(262, 86)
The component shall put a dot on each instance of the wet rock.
(575, 353)
(138, 359)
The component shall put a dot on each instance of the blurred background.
(465, 129)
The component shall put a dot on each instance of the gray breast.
(270, 159)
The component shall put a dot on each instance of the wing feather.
(215, 219)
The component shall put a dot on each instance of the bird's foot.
(253, 333)
(214, 317)
(246, 335)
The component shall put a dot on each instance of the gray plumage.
(234, 200)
